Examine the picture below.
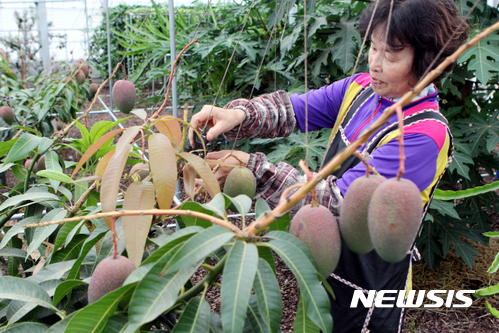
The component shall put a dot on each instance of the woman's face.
(391, 71)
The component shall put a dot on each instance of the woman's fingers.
(219, 119)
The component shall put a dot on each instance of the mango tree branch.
(283, 207)
(155, 115)
(191, 213)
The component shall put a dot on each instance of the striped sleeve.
(273, 179)
(267, 116)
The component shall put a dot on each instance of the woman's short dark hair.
(426, 25)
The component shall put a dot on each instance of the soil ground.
(452, 275)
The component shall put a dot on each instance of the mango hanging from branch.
(124, 95)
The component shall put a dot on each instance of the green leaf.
(12, 252)
(237, 282)
(444, 208)
(64, 288)
(268, 294)
(200, 246)
(31, 196)
(486, 292)
(455, 195)
(116, 323)
(52, 163)
(484, 57)
(173, 240)
(27, 327)
(194, 317)
(17, 228)
(51, 272)
(41, 233)
(491, 234)
(281, 224)
(266, 254)
(93, 317)
(492, 310)
(24, 290)
(302, 323)
(459, 164)
(242, 203)
(45, 143)
(84, 134)
(93, 239)
(195, 221)
(346, 39)
(23, 147)
(495, 264)
(5, 147)
(55, 175)
(254, 321)
(316, 299)
(218, 204)
(63, 233)
(160, 291)
(71, 250)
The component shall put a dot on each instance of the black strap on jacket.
(338, 144)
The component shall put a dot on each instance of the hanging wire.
(305, 22)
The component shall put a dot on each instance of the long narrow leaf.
(41, 233)
(200, 246)
(163, 168)
(268, 295)
(204, 172)
(315, 296)
(111, 182)
(24, 290)
(95, 237)
(302, 323)
(139, 196)
(23, 147)
(104, 161)
(27, 327)
(455, 195)
(194, 317)
(238, 276)
(95, 147)
(160, 291)
(170, 128)
(93, 317)
(126, 138)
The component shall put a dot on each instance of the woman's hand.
(219, 119)
(237, 158)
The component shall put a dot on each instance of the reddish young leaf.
(170, 127)
(189, 180)
(127, 137)
(163, 163)
(95, 147)
(139, 195)
(101, 166)
(204, 172)
(111, 182)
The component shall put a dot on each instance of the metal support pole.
(41, 13)
(110, 65)
(87, 32)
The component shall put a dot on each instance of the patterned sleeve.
(267, 116)
(273, 179)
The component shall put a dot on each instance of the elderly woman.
(402, 50)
